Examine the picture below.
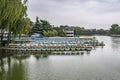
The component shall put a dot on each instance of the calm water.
(100, 64)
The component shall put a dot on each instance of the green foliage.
(45, 25)
(45, 28)
(115, 29)
(37, 28)
(13, 16)
(50, 33)
(22, 26)
(11, 11)
(60, 31)
(42, 27)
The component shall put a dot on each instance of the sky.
(83, 13)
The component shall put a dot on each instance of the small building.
(69, 32)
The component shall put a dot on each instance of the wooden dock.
(82, 44)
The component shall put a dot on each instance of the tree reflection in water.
(12, 68)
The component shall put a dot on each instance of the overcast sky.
(83, 13)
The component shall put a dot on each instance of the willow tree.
(11, 11)
(22, 26)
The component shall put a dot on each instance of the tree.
(60, 31)
(41, 26)
(45, 25)
(113, 28)
(22, 26)
(50, 33)
(37, 28)
(11, 11)
(117, 30)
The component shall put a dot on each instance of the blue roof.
(36, 35)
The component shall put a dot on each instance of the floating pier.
(56, 44)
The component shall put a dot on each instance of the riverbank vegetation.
(115, 29)
(45, 28)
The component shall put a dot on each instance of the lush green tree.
(77, 30)
(113, 28)
(41, 26)
(45, 33)
(45, 25)
(22, 26)
(37, 28)
(117, 30)
(50, 33)
(60, 31)
(11, 11)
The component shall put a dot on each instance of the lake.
(102, 63)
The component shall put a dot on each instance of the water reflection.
(12, 68)
(2, 70)
(37, 56)
(99, 64)
(115, 44)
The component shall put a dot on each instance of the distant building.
(69, 32)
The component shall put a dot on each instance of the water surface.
(102, 63)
